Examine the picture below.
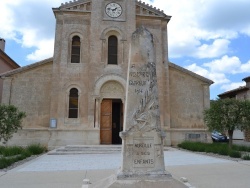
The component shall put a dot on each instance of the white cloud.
(44, 50)
(244, 68)
(195, 23)
(218, 48)
(219, 70)
(224, 65)
(228, 65)
(218, 78)
(231, 86)
(30, 23)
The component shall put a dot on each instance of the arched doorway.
(111, 112)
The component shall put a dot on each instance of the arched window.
(112, 50)
(75, 50)
(73, 103)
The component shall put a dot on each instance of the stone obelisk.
(142, 136)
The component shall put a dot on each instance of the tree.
(10, 121)
(228, 115)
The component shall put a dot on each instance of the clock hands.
(113, 10)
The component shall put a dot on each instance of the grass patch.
(12, 151)
(235, 154)
(13, 154)
(36, 149)
(217, 148)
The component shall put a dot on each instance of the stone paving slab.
(48, 163)
(49, 171)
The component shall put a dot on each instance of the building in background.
(78, 96)
(241, 93)
(6, 64)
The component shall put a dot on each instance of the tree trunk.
(230, 134)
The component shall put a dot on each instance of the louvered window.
(75, 50)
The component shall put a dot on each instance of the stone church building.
(78, 96)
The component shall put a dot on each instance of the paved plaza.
(68, 171)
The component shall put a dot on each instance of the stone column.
(97, 112)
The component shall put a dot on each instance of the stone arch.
(113, 30)
(112, 90)
(109, 79)
(70, 86)
(103, 89)
(70, 36)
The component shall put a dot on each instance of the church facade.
(78, 96)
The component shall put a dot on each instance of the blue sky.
(208, 37)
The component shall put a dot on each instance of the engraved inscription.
(143, 153)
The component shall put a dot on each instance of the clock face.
(113, 10)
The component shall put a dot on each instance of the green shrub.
(4, 162)
(223, 151)
(240, 148)
(36, 149)
(26, 153)
(246, 157)
(11, 151)
(13, 154)
(234, 154)
(2, 148)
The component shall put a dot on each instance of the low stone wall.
(177, 136)
(55, 138)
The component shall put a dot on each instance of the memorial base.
(143, 175)
(156, 182)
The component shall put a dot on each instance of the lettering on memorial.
(143, 153)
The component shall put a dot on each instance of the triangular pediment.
(144, 9)
(80, 5)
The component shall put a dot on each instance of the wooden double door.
(111, 121)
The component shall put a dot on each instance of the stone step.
(82, 149)
(78, 149)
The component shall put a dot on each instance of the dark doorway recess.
(111, 121)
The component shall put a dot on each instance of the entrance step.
(83, 149)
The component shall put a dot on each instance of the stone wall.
(30, 92)
(189, 97)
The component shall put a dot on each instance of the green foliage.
(234, 154)
(228, 115)
(11, 151)
(13, 154)
(241, 148)
(36, 149)
(4, 162)
(10, 121)
(217, 148)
